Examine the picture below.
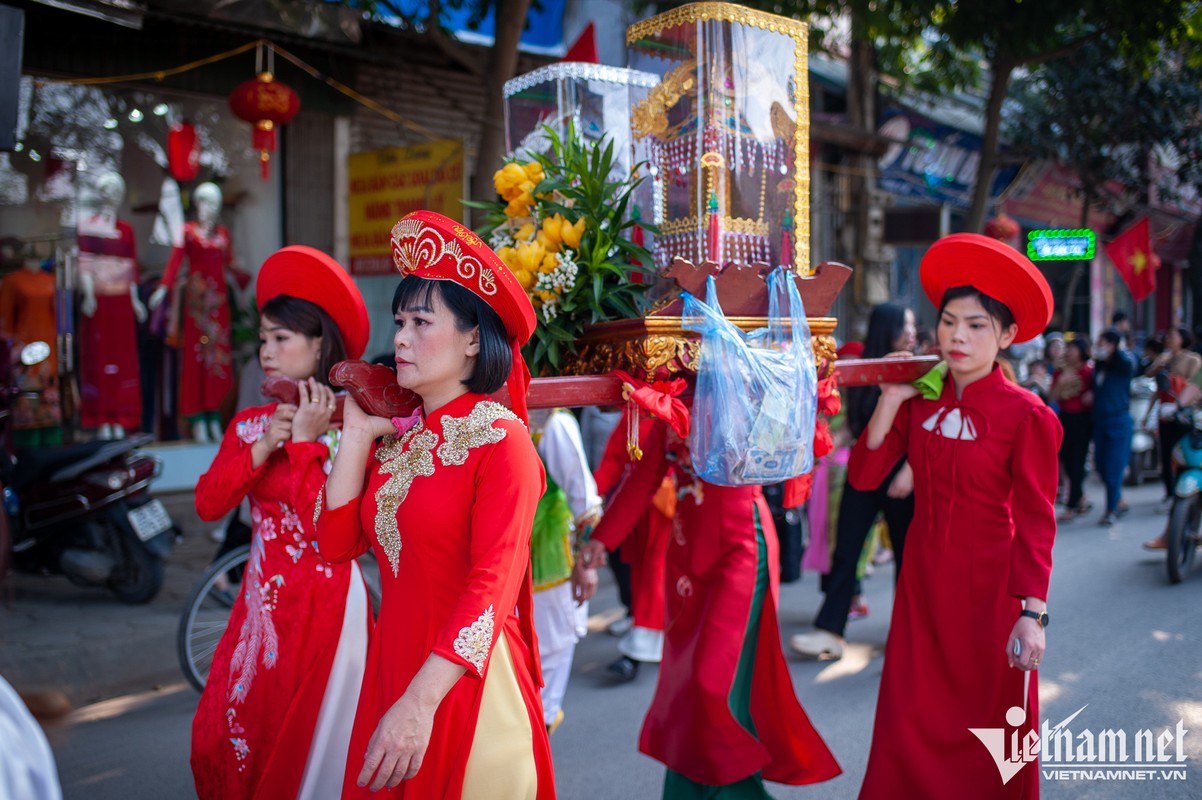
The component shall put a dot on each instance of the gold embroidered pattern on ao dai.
(461, 434)
(402, 465)
(474, 642)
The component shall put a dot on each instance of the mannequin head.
(110, 190)
(207, 199)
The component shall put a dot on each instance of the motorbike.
(1185, 516)
(83, 510)
(1145, 439)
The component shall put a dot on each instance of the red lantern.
(1004, 229)
(265, 103)
(183, 152)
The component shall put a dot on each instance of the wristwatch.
(1039, 616)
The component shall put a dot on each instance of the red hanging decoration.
(183, 152)
(713, 239)
(786, 240)
(265, 103)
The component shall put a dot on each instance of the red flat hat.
(430, 245)
(995, 268)
(310, 274)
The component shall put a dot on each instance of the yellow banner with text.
(387, 184)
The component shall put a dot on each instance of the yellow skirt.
(501, 761)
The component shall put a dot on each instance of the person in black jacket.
(890, 329)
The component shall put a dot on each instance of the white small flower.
(501, 237)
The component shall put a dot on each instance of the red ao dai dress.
(273, 721)
(448, 509)
(724, 710)
(985, 471)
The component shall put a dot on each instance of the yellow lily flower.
(526, 278)
(534, 171)
(525, 233)
(509, 256)
(507, 178)
(530, 255)
(549, 263)
(549, 243)
(519, 206)
(571, 233)
(552, 226)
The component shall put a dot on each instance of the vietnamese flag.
(1131, 253)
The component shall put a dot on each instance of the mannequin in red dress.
(967, 632)
(207, 374)
(450, 706)
(109, 378)
(272, 721)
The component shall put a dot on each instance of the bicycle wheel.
(1183, 530)
(207, 613)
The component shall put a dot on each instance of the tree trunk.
(1079, 267)
(1193, 276)
(999, 83)
(872, 285)
(502, 64)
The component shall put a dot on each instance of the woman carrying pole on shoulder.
(271, 722)
(968, 619)
(446, 498)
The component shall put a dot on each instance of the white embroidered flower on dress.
(266, 529)
(252, 430)
(289, 519)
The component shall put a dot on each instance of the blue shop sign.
(934, 162)
(543, 32)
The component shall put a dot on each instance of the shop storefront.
(99, 202)
(107, 187)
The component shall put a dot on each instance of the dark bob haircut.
(308, 319)
(993, 307)
(495, 359)
(885, 326)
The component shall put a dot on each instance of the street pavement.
(1123, 645)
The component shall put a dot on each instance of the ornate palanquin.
(593, 100)
(725, 134)
(719, 119)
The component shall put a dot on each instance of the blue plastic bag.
(755, 405)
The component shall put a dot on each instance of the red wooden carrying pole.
(606, 390)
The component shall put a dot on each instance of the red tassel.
(714, 234)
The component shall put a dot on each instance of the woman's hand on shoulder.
(279, 430)
(357, 421)
(898, 393)
(313, 413)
